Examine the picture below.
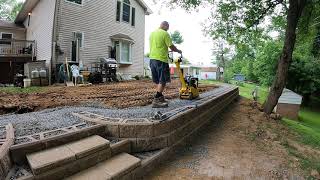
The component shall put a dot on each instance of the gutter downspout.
(54, 39)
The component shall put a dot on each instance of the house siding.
(96, 19)
(19, 34)
(40, 28)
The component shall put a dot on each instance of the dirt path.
(116, 95)
(242, 144)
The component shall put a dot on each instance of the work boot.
(158, 103)
(162, 99)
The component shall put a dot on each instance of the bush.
(137, 77)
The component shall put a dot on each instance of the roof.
(290, 97)
(145, 6)
(122, 37)
(209, 69)
(11, 25)
(28, 5)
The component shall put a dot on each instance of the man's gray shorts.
(160, 71)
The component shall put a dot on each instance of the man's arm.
(175, 49)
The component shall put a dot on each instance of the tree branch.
(265, 11)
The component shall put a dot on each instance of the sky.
(196, 47)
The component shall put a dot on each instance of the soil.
(243, 143)
(114, 95)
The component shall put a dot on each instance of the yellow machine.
(189, 85)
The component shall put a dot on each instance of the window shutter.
(118, 11)
(133, 17)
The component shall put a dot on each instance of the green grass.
(246, 90)
(308, 126)
(306, 163)
(209, 82)
(308, 134)
(17, 90)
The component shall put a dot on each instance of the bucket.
(26, 83)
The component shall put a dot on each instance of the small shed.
(239, 77)
(289, 104)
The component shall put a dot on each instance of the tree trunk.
(294, 13)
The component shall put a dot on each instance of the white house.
(81, 31)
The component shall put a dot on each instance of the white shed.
(289, 104)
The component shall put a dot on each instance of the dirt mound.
(114, 95)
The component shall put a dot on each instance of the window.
(118, 10)
(126, 11)
(133, 17)
(78, 36)
(123, 52)
(6, 37)
(75, 1)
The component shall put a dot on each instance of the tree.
(177, 37)
(243, 16)
(9, 9)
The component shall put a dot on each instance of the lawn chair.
(76, 74)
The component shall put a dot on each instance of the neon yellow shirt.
(160, 41)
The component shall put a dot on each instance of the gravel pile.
(50, 119)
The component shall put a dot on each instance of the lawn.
(308, 126)
(246, 91)
(17, 90)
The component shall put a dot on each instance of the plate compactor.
(189, 85)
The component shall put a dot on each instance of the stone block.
(75, 166)
(144, 130)
(161, 128)
(120, 165)
(127, 130)
(149, 144)
(114, 168)
(88, 146)
(18, 152)
(5, 162)
(91, 173)
(43, 161)
(112, 130)
(119, 147)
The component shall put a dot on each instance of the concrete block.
(144, 130)
(114, 168)
(162, 128)
(43, 161)
(112, 130)
(18, 152)
(75, 166)
(91, 173)
(120, 147)
(120, 165)
(88, 146)
(127, 131)
(148, 144)
(5, 162)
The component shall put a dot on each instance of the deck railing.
(12, 47)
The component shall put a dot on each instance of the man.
(160, 41)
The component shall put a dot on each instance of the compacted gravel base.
(55, 118)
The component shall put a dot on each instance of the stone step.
(113, 168)
(48, 159)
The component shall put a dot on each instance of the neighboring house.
(186, 69)
(211, 73)
(83, 30)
